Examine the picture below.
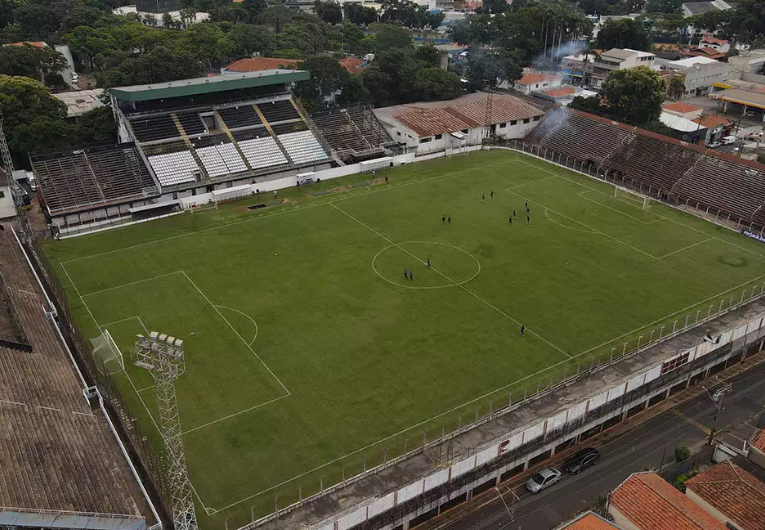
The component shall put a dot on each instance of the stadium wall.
(534, 442)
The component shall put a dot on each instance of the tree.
(748, 21)
(353, 91)
(36, 21)
(496, 6)
(359, 14)
(352, 38)
(427, 54)
(327, 77)
(488, 69)
(276, 17)
(249, 39)
(624, 33)
(159, 65)
(94, 127)
(664, 6)
(435, 19)
(635, 95)
(254, 8)
(388, 37)
(435, 84)
(306, 33)
(32, 117)
(86, 42)
(30, 61)
(330, 12)
(676, 89)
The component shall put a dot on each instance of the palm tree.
(676, 89)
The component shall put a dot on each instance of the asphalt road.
(639, 450)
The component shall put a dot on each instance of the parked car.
(728, 140)
(543, 480)
(714, 145)
(581, 460)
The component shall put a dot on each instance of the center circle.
(450, 266)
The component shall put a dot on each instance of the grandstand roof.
(465, 112)
(57, 454)
(205, 85)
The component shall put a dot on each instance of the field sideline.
(310, 354)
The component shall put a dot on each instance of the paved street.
(641, 449)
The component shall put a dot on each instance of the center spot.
(450, 265)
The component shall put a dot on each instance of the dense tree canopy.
(635, 95)
(30, 61)
(624, 33)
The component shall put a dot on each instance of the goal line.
(632, 197)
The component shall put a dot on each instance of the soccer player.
(515, 214)
(449, 220)
(483, 197)
(427, 263)
(386, 179)
(491, 195)
(276, 194)
(443, 219)
(528, 218)
(509, 220)
(406, 273)
(411, 275)
(523, 329)
(528, 209)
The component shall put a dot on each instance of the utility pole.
(516, 500)
(163, 356)
(717, 398)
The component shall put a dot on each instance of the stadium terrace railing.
(544, 387)
(668, 197)
(152, 468)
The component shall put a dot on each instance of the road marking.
(691, 421)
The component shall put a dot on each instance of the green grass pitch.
(308, 352)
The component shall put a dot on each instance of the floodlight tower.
(4, 151)
(163, 356)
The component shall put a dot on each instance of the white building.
(573, 67)
(534, 81)
(451, 125)
(749, 62)
(618, 59)
(7, 209)
(175, 15)
(710, 41)
(700, 73)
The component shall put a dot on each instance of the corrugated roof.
(352, 64)
(618, 53)
(36, 44)
(530, 79)
(651, 503)
(714, 40)
(734, 492)
(464, 112)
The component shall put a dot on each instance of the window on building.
(2, 194)
(439, 136)
(398, 133)
(426, 140)
(536, 118)
(514, 122)
(464, 131)
(527, 120)
(502, 125)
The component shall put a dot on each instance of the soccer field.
(307, 350)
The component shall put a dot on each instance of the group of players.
(515, 212)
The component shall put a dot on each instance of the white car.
(728, 140)
(543, 480)
(714, 145)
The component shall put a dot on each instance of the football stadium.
(349, 311)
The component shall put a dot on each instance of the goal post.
(632, 197)
(108, 353)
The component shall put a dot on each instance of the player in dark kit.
(406, 273)
(523, 329)
(509, 220)
(443, 218)
(515, 214)
(491, 195)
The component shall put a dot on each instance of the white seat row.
(174, 168)
(302, 147)
(221, 159)
(262, 152)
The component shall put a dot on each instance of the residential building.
(157, 13)
(710, 41)
(356, 65)
(700, 73)
(645, 501)
(703, 51)
(683, 128)
(749, 62)
(574, 67)
(588, 521)
(158, 6)
(451, 125)
(562, 95)
(618, 59)
(717, 127)
(532, 81)
(7, 208)
(699, 8)
(684, 110)
(757, 450)
(731, 495)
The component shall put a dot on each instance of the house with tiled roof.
(757, 449)
(710, 41)
(354, 65)
(645, 501)
(684, 110)
(588, 521)
(535, 81)
(432, 126)
(259, 64)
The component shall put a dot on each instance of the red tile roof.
(36, 44)
(256, 64)
(352, 64)
(707, 52)
(589, 521)
(682, 108)
(713, 40)
(456, 115)
(711, 121)
(734, 492)
(559, 92)
(759, 441)
(530, 79)
(651, 503)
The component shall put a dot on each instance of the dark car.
(581, 460)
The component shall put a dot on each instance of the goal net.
(631, 197)
(107, 355)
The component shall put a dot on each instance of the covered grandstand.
(353, 133)
(60, 464)
(724, 186)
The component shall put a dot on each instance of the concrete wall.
(711, 510)
(620, 520)
(757, 456)
(701, 78)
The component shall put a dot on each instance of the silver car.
(543, 480)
